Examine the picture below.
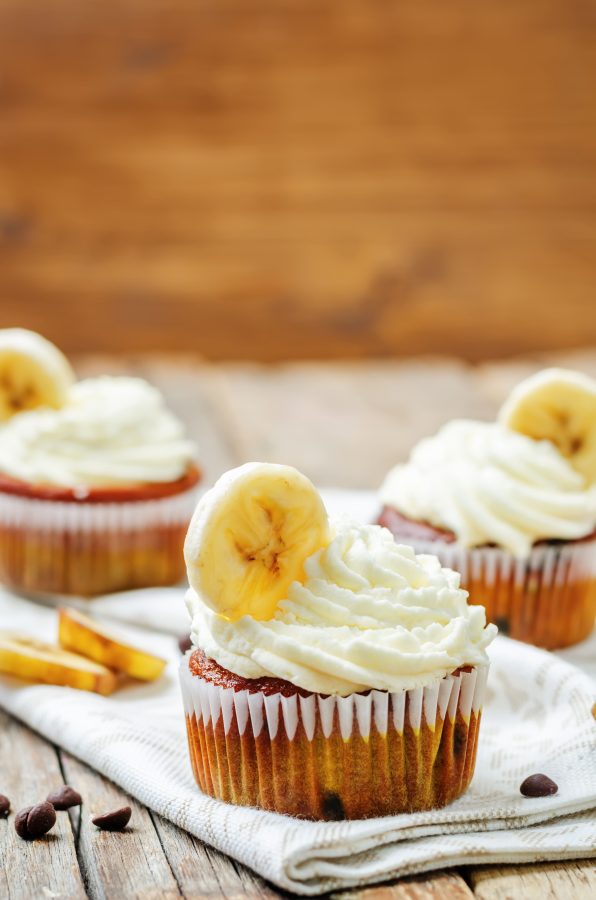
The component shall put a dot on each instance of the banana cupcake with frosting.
(97, 478)
(334, 674)
(511, 505)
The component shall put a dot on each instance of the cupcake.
(334, 674)
(97, 479)
(511, 505)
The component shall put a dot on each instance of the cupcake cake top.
(345, 608)
(98, 432)
(530, 476)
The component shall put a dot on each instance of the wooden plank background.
(299, 178)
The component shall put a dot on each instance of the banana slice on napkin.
(82, 634)
(34, 660)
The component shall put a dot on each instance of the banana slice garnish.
(250, 536)
(25, 657)
(557, 405)
(82, 634)
(33, 373)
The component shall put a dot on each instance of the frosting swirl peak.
(112, 431)
(370, 614)
(490, 485)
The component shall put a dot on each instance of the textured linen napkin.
(538, 718)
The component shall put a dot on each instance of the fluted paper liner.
(547, 599)
(87, 548)
(322, 757)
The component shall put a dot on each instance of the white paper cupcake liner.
(547, 598)
(557, 563)
(463, 693)
(29, 513)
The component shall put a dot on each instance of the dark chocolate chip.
(333, 808)
(538, 786)
(184, 643)
(113, 821)
(64, 798)
(460, 738)
(35, 821)
(4, 806)
(20, 823)
(502, 624)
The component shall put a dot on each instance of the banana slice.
(37, 661)
(557, 405)
(33, 372)
(250, 536)
(83, 635)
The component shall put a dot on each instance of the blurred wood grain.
(304, 178)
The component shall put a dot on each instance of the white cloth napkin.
(537, 718)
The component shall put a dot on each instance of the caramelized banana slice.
(84, 635)
(34, 660)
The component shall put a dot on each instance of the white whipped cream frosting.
(369, 615)
(490, 485)
(112, 431)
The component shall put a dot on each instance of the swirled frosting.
(490, 485)
(369, 614)
(112, 431)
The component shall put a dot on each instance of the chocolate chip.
(35, 821)
(333, 808)
(20, 823)
(184, 643)
(538, 786)
(113, 821)
(64, 798)
(502, 624)
(460, 738)
(4, 806)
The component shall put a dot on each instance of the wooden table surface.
(344, 425)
